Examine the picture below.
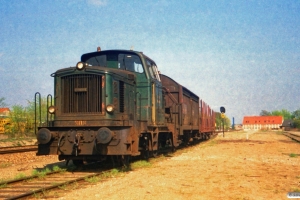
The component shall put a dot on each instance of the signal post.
(222, 110)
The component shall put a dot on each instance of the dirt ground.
(266, 166)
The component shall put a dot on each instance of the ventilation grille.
(121, 98)
(81, 93)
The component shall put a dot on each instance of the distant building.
(4, 120)
(262, 122)
(287, 124)
(4, 112)
(238, 127)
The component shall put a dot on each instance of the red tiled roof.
(262, 120)
(4, 110)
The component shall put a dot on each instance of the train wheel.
(77, 163)
(155, 153)
(146, 152)
(171, 144)
(126, 161)
(173, 148)
(115, 161)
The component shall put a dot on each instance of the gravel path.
(265, 166)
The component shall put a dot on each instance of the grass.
(205, 144)
(140, 164)
(58, 169)
(93, 179)
(74, 186)
(295, 189)
(110, 174)
(19, 176)
(63, 187)
(41, 174)
(212, 142)
(5, 165)
(293, 155)
(36, 196)
(18, 141)
(279, 132)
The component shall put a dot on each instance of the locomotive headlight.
(51, 109)
(110, 108)
(80, 65)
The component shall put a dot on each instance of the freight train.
(115, 103)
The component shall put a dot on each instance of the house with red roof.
(262, 122)
(4, 112)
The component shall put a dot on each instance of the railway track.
(18, 149)
(35, 185)
(294, 136)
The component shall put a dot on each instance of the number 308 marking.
(80, 123)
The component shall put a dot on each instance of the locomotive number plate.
(80, 123)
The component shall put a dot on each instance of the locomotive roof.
(87, 55)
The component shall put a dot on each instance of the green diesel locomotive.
(115, 103)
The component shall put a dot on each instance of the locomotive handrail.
(140, 110)
(176, 104)
(170, 95)
(37, 94)
(49, 97)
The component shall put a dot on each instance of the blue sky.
(243, 55)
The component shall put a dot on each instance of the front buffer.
(85, 144)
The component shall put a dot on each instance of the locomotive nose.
(44, 136)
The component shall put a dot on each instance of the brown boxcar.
(187, 116)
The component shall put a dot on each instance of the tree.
(17, 121)
(296, 118)
(265, 113)
(219, 121)
(22, 119)
(2, 103)
(297, 123)
(284, 113)
(296, 114)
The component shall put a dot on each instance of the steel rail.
(293, 136)
(32, 188)
(18, 149)
(43, 189)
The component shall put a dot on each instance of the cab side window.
(153, 70)
(130, 62)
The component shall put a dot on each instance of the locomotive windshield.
(117, 60)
